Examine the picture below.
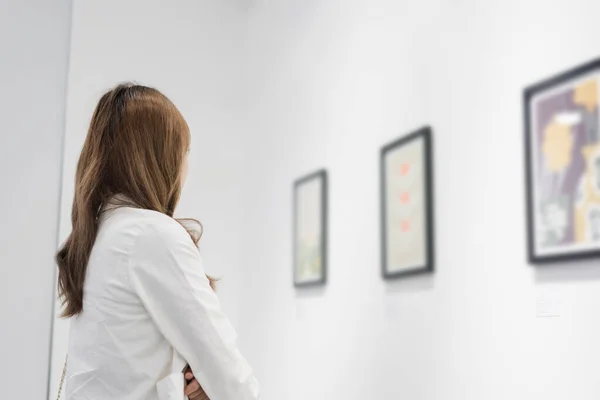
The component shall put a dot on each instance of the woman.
(131, 276)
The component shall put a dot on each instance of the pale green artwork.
(309, 263)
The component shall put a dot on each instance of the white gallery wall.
(332, 81)
(276, 89)
(34, 48)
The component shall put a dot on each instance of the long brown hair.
(135, 148)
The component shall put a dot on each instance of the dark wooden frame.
(528, 94)
(426, 134)
(322, 176)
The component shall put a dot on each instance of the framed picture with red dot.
(407, 221)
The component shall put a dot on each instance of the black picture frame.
(424, 133)
(529, 94)
(322, 176)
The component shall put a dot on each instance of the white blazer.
(148, 310)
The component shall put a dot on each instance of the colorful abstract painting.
(407, 217)
(563, 157)
(310, 229)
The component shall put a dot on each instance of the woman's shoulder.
(148, 226)
(156, 238)
(156, 224)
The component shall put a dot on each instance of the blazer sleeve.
(166, 272)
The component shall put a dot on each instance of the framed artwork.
(407, 205)
(562, 157)
(310, 230)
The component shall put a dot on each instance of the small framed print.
(407, 206)
(562, 158)
(310, 230)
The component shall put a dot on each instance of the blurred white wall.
(189, 50)
(330, 82)
(34, 48)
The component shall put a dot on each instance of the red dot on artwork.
(405, 226)
(404, 169)
(404, 197)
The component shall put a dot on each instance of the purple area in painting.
(546, 110)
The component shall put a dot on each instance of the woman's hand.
(193, 390)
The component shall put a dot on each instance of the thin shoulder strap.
(62, 378)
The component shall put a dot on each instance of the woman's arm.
(167, 273)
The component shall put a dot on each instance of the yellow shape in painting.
(586, 94)
(557, 146)
(591, 197)
(590, 154)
